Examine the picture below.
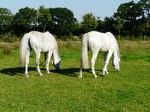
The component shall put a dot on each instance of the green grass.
(125, 91)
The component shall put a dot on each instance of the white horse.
(39, 42)
(96, 41)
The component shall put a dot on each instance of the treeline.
(131, 19)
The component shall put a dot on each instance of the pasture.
(125, 91)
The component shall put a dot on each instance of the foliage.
(100, 26)
(118, 25)
(77, 29)
(147, 28)
(131, 20)
(62, 21)
(129, 11)
(24, 20)
(8, 37)
(145, 4)
(132, 15)
(109, 24)
(6, 18)
(44, 17)
(89, 22)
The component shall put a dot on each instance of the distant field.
(125, 91)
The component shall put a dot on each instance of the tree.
(44, 17)
(5, 19)
(118, 25)
(77, 29)
(62, 21)
(145, 4)
(100, 26)
(89, 22)
(24, 20)
(130, 13)
(108, 25)
(147, 29)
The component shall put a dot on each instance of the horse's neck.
(56, 58)
(116, 54)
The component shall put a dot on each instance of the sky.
(99, 8)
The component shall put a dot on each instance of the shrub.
(8, 37)
(7, 50)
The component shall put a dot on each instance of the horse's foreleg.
(93, 63)
(48, 60)
(106, 62)
(80, 72)
(27, 63)
(37, 62)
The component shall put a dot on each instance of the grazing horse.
(39, 42)
(96, 41)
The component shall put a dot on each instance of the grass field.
(125, 91)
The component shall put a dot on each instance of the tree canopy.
(89, 22)
(44, 17)
(131, 19)
(6, 18)
(24, 20)
(62, 21)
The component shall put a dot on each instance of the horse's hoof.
(48, 72)
(95, 76)
(41, 74)
(80, 76)
(27, 76)
(107, 72)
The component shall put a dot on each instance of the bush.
(8, 37)
(7, 50)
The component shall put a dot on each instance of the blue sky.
(100, 8)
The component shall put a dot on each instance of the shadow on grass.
(72, 72)
(15, 71)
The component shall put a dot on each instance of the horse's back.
(38, 34)
(101, 41)
(44, 41)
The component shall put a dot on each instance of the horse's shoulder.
(110, 35)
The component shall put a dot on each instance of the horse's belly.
(103, 49)
(45, 49)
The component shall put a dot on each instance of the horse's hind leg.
(48, 60)
(26, 63)
(80, 72)
(37, 62)
(93, 63)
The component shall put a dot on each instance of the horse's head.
(56, 62)
(116, 65)
(56, 59)
(57, 66)
(116, 61)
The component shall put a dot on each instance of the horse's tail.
(24, 48)
(85, 61)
